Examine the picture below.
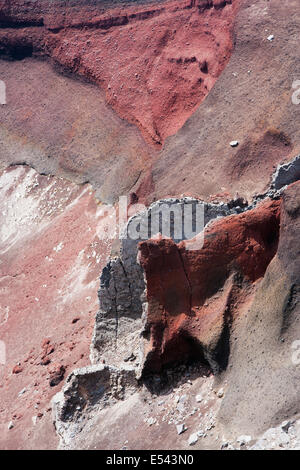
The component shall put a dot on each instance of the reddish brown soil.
(84, 141)
(156, 64)
(51, 259)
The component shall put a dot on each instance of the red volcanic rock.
(45, 361)
(57, 373)
(193, 295)
(156, 63)
(47, 349)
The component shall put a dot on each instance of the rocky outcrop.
(192, 296)
(88, 391)
(120, 309)
(287, 174)
(126, 280)
(122, 282)
(206, 305)
(197, 306)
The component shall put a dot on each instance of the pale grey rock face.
(121, 287)
(284, 175)
(287, 174)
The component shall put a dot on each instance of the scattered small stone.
(243, 440)
(193, 439)
(47, 349)
(17, 369)
(10, 425)
(180, 407)
(130, 358)
(151, 421)
(199, 398)
(234, 143)
(220, 393)
(286, 426)
(45, 361)
(57, 374)
(271, 37)
(24, 390)
(180, 428)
